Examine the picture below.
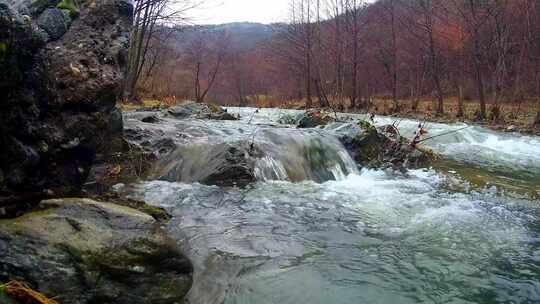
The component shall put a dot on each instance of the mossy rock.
(367, 126)
(70, 6)
(215, 109)
(84, 251)
(155, 212)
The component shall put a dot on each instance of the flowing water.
(315, 229)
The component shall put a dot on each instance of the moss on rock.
(84, 251)
(70, 6)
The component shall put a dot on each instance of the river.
(316, 229)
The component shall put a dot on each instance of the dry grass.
(521, 114)
(511, 117)
(152, 104)
(22, 293)
(148, 103)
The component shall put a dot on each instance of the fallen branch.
(22, 293)
(253, 115)
(442, 134)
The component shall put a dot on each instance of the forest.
(479, 59)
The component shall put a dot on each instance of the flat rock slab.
(83, 251)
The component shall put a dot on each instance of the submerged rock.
(150, 119)
(58, 97)
(222, 164)
(83, 251)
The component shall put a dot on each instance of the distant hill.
(243, 35)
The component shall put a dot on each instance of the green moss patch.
(70, 6)
(157, 213)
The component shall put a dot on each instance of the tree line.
(346, 53)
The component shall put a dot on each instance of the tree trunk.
(198, 83)
(394, 59)
(480, 88)
(435, 71)
(477, 61)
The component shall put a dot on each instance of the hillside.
(242, 35)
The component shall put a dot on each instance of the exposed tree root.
(21, 293)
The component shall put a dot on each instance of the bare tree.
(206, 54)
(353, 9)
(149, 16)
(298, 36)
(474, 18)
(387, 45)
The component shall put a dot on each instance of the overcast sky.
(226, 11)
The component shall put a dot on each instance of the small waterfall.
(263, 154)
(297, 155)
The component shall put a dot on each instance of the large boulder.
(82, 251)
(58, 97)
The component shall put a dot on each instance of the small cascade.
(262, 154)
(298, 155)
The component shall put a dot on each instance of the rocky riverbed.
(123, 252)
(246, 203)
(313, 222)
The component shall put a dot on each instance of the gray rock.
(60, 90)
(312, 119)
(186, 111)
(222, 164)
(55, 22)
(200, 111)
(83, 251)
(221, 116)
(33, 7)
